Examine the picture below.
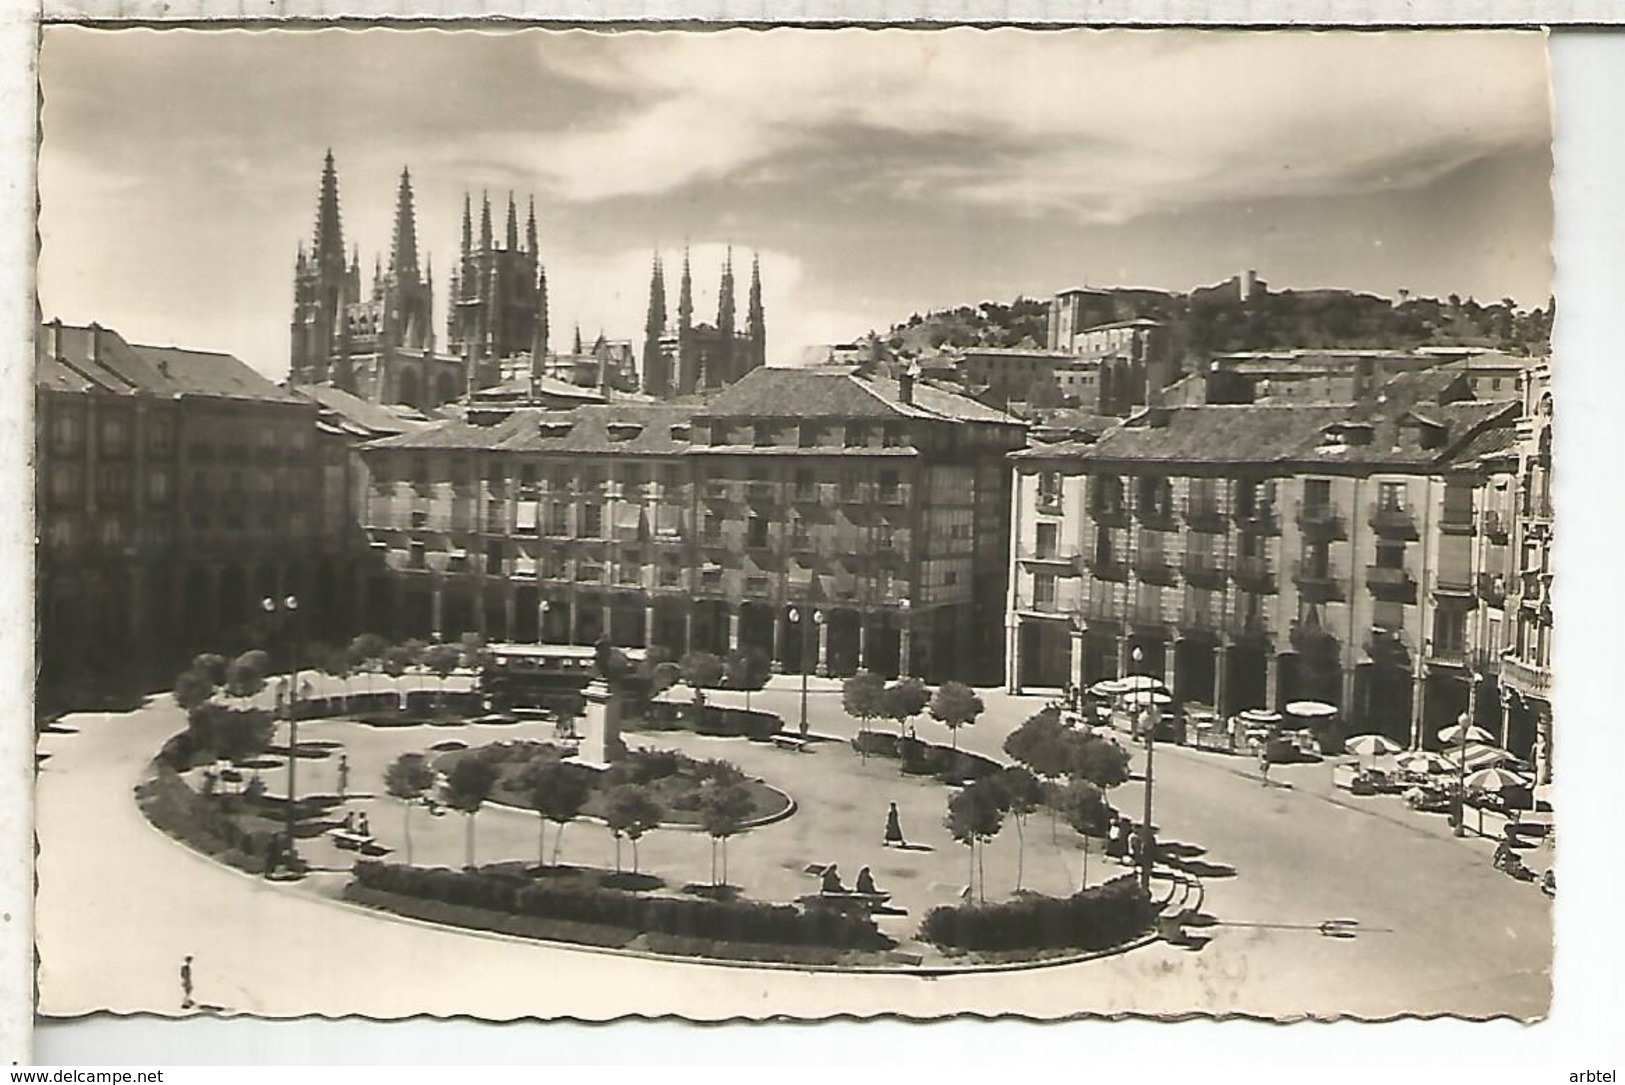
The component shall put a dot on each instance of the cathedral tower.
(656, 365)
(499, 305)
(755, 319)
(321, 291)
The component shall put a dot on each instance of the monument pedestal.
(601, 744)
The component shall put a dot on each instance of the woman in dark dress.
(894, 828)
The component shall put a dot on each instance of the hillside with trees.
(1214, 320)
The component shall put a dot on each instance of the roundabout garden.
(443, 821)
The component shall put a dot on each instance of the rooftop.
(624, 428)
(83, 359)
(843, 393)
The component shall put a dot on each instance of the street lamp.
(905, 636)
(541, 621)
(806, 649)
(1146, 710)
(1462, 723)
(287, 610)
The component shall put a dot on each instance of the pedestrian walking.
(364, 825)
(344, 774)
(1116, 847)
(1263, 766)
(1134, 844)
(273, 853)
(894, 827)
(186, 982)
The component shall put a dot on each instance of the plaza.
(1438, 929)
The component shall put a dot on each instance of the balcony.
(761, 493)
(1148, 616)
(1050, 503)
(1321, 523)
(1497, 528)
(1110, 515)
(1392, 522)
(1531, 679)
(1390, 585)
(1387, 646)
(1109, 569)
(893, 495)
(717, 491)
(1199, 622)
(1492, 589)
(1532, 590)
(1457, 521)
(1203, 571)
(1065, 564)
(807, 493)
(1253, 574)
(1154, 569)
(1320, 584)
(1259, 520)
(1452, 583)
(1207, 517)
(1159, 516)
(1044, 604)
(1102, 607)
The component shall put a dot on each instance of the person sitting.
(866, 883)
(832, 880)
(1505, 857)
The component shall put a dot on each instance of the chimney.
(95, 342)
(905, 385)
(53, 339)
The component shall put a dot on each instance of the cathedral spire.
(468, 227)
(577, 350)
(685, 298)
(403, 253)
(726, 347)
(485, 222)
(530, 230)
(656, 381)
(755, 318)
(512, 235)
(328, 249)
(539, 351)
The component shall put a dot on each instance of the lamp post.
(798, 618)
(1462, 723)
(286, 610)
(905, 639)
(1150, 727)
(541, 621)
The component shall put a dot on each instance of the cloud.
(1108, 125)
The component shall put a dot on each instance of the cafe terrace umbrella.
(1457, 734)
(1260, 715)
(1493, 779)
(1133, 682)
(1111, 687)
(1311, 709)
(1479, 755)
(1141, 697)
(1372, 745)
(1422, 761)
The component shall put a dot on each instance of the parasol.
(1311, 709)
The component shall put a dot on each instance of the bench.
(790, 742)
(348, 841)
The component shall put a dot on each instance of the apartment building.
(174, 490)
(1255, 555)
(1526, 664)
(829, 519)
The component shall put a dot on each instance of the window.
(629, 572)
(1317, 495)
(761, 434)
(885, 537)
(857, 435)
(671, 573)
(1105, 553)
(711, 528)
(1049, 490)
(805, 487)
(671, 478)
(1317, 560)
(416, 555)
(1391, 496)
(1044, 591)
(420, 472)
(494, 553)
(810, 435)
(756, 532)
(1048, 540)
(1449, 632)
(420, 519)
(496, 474)
(888, 485)
(558, 518)
(592, 520)
(1387, 615)
(494, 518)
(1108, 493)
(849, 486)
(893, 435)
(800, 539)
(1390, 555)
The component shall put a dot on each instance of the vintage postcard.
(794, 523)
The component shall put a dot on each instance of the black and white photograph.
(795, 523)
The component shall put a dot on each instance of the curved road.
(1439, 930)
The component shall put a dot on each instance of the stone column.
(1076, 645)
(688, 628)
(648, 626)
(1348, 692)
(1506, 717)
(575, 613)
(606, 618)
(1125, 659)
(1170, 665)
(510, 614)
(1416, 711)
(863, 640)
(1221, 663)
(822, 668)
(905, 645)
(733, 628)
(1272, 681)
(542, 607)
(1012, 654)
(436, 608)
(479, 608)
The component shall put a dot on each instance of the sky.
(877, 173)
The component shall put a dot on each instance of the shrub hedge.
(925, 758)
(733, 921)
(1098, 918)
(202, 823)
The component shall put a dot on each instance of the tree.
(408, 779)
(1040, 744)
(748, 669)
(956, 705)
(861, 697)
(558, 791)
(903, 700)
(335, 662)
(471, 647)
(1086, 811)
(468, 785)
(702, 671)
(396, 661)
(366, 652)
(245, 675)
(1101, 761)
(441, 660)
(724, 808)
(664, 675)
(1023, 794)
(193, 688)
(613, 665)
(630, 810)
(212, 667)
(233, 734)
(975, 816)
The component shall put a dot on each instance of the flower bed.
(1098, 918)
(599, 916)
(925, 758)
